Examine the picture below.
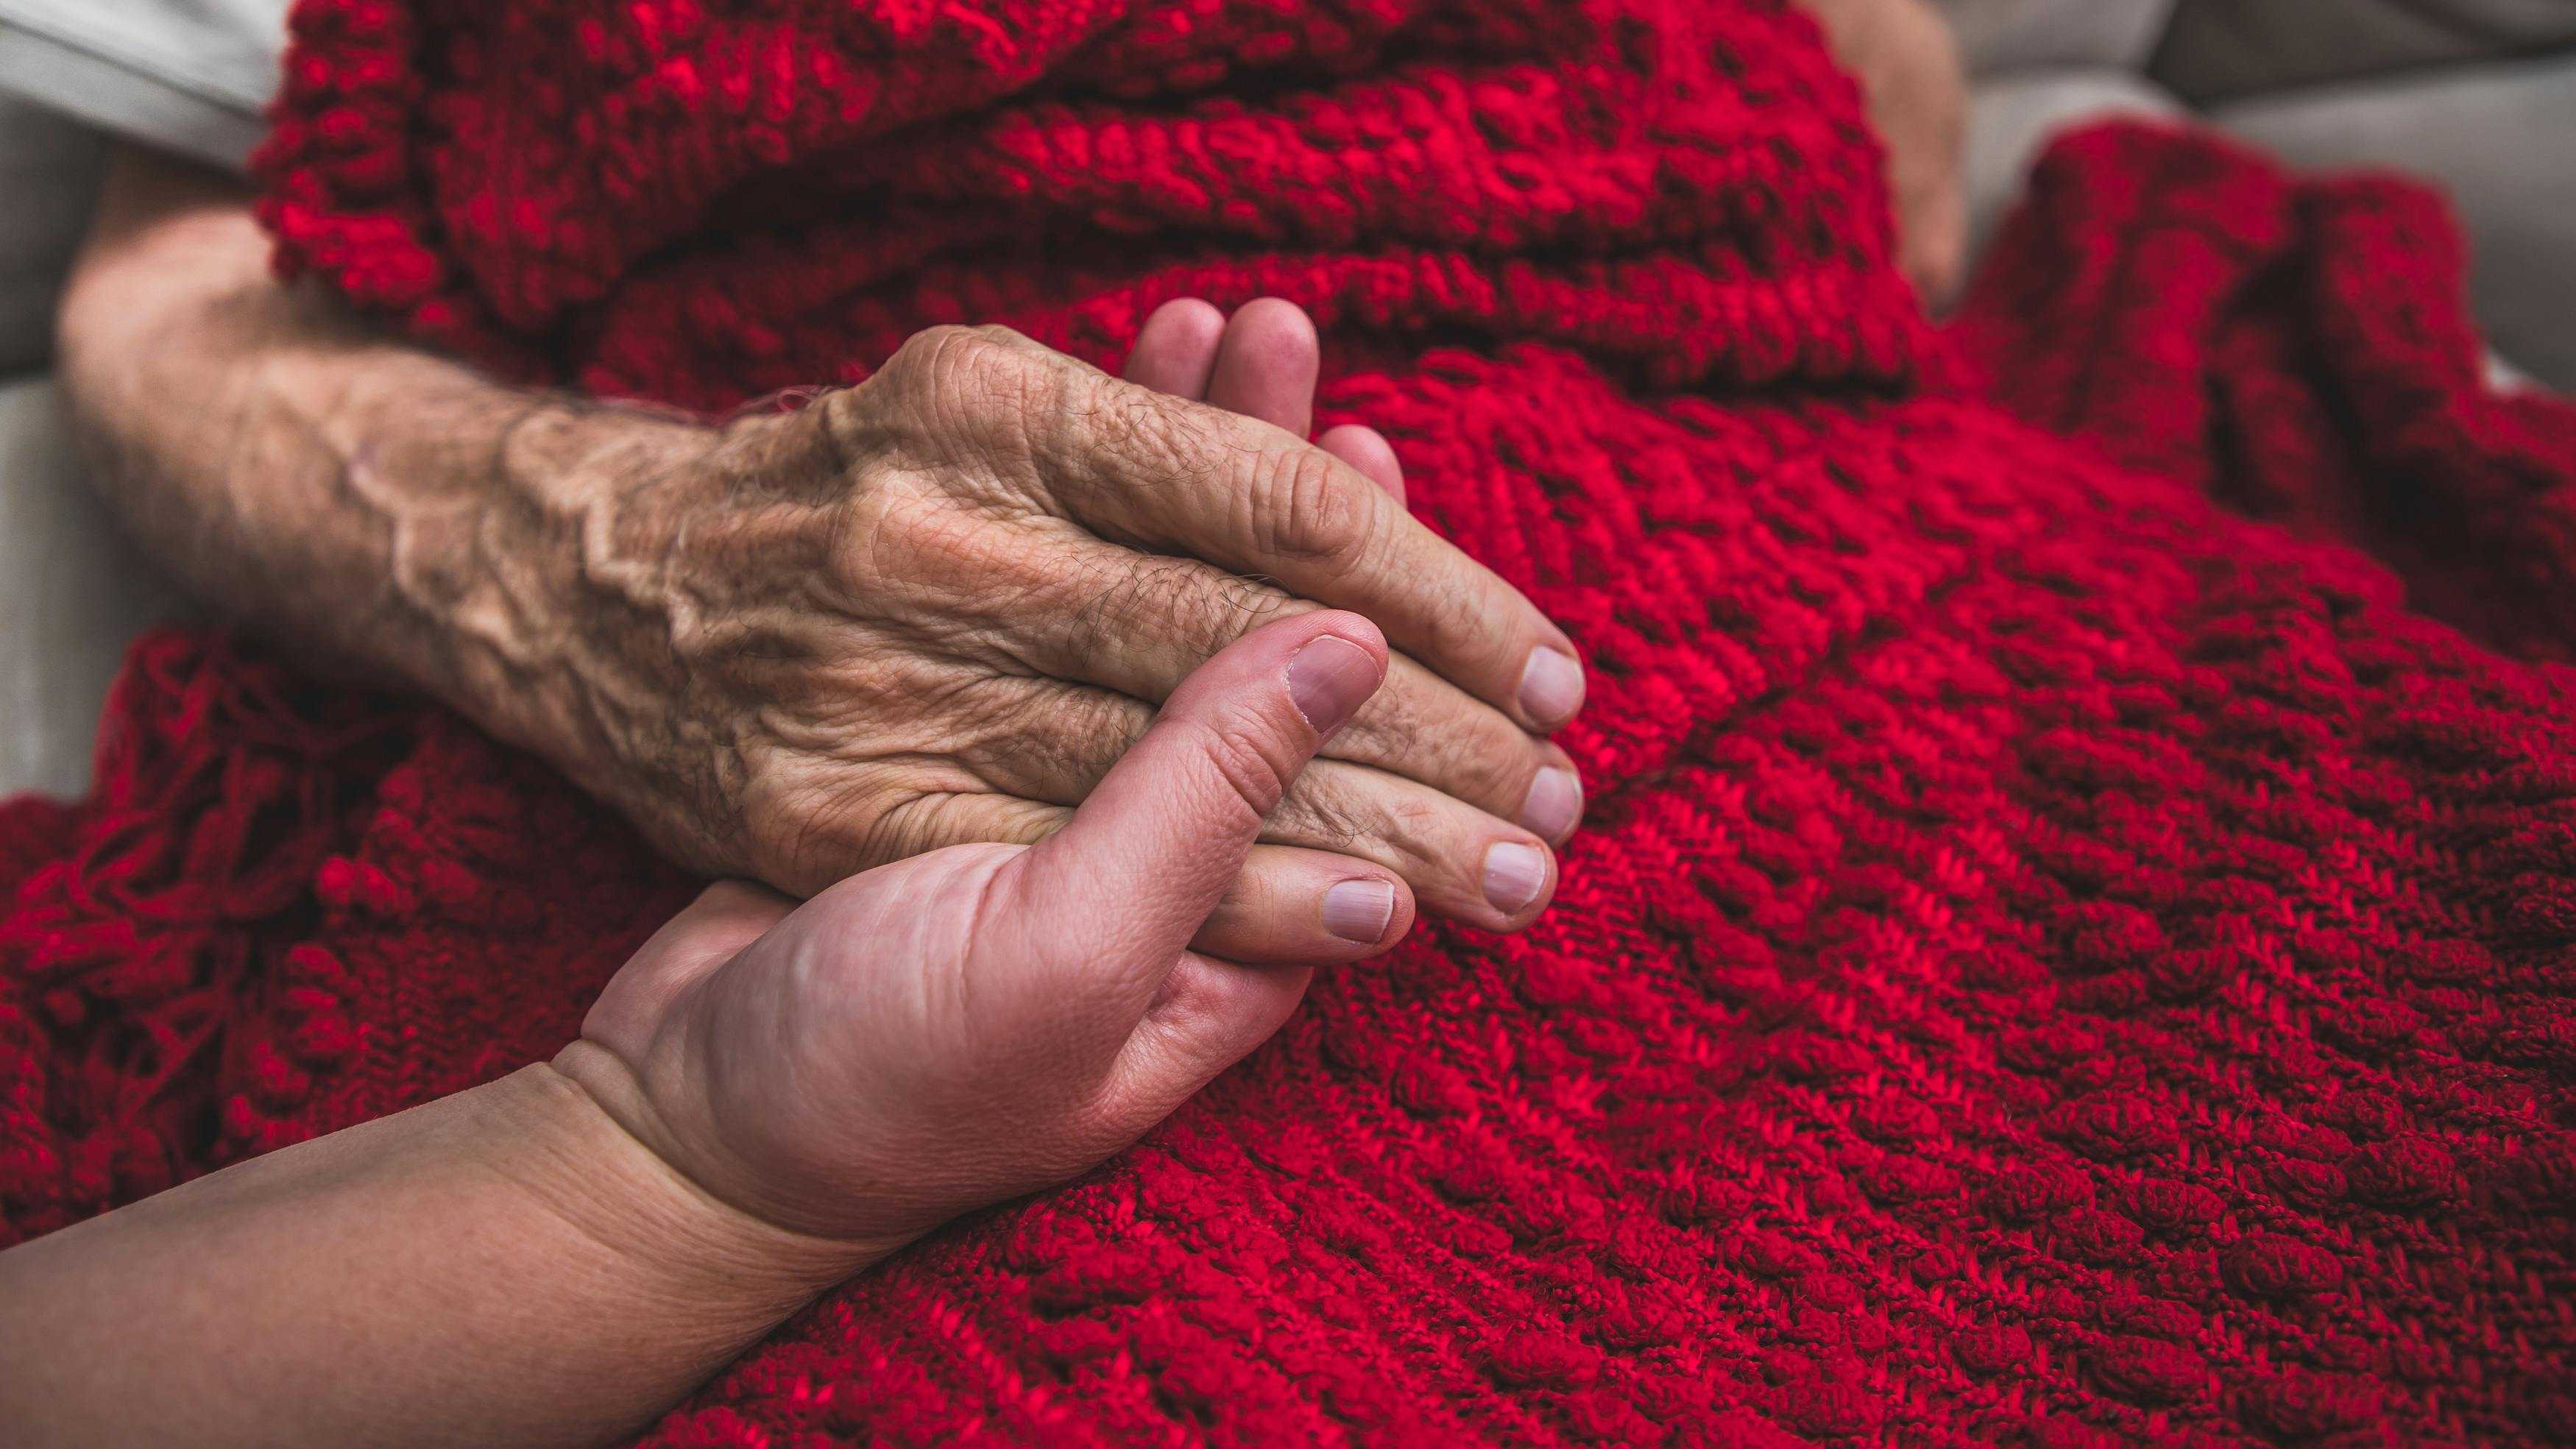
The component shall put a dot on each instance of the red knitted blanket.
(2051, 955)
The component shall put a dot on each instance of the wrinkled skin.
(936, 608)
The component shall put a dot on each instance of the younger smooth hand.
(982, 1021)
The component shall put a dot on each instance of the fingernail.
(1555, 802)
(1551, 687)
(1514, 875)
(1329, 680)
(1358, 910)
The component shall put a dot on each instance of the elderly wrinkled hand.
(935, 609)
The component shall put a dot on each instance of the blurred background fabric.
(192, 77)
(2478, 96)
(50, 169)
(2013, 35)
(73, 593)
(2217, 51)
(189, 77)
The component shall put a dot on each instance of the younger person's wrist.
(576, 1163)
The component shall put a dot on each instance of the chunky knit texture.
(2050, 957)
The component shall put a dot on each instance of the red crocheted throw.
(2076, 933)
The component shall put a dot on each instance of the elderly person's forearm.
(368, 499)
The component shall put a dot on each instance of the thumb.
(1149, 855)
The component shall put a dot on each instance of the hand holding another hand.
(936, 608)
(975, 1023)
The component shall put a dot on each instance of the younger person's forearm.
(501, 1267)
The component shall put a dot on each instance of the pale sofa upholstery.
(73, 591)
(2001, 36)
(49, 176)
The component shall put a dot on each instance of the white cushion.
(73, 594)
(2005, 35)
(186, 76)
(2012, 119)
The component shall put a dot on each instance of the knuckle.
(971, 361)
(1320, 819)
(938, 560)
(1417, 831)
(1229, 606)
(909, 826)
(935, 820)
(1468, 620)
(985, 373)
(1500, 775)
(1405, 831)
(1304, 509)
(808, 836)
(1207, 609)
(933, 349)
(1462, 747)
(913, 364)
(1144, 605)
(913, 825)
(1243, 751)
(1142, 440)
(1027, 735)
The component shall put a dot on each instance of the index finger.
(1183, 478)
